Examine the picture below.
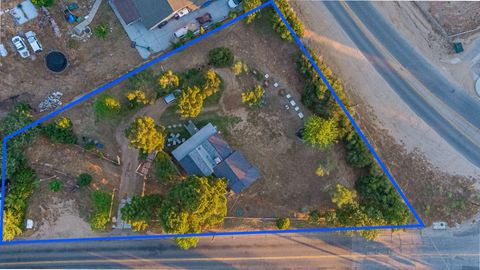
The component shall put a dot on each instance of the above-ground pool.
(56, 61)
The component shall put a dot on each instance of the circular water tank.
(56, 61)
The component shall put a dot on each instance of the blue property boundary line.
(159, 236)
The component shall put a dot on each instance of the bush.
(212, 83)
(283, 223)
(136, 98)
(101, 205)
(55, 185)
(292, 19)
(106, 106)
(140, 211)
(220, 57)
(43, 3)
(254, 97)
(358, 154)
(314, 217)
(249, 5)
(239, 67)
(101, 31)
(61, 131)
(165, 170)
(84, 179)
(168, 82)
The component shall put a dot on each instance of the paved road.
(410, 250)
(447, 109)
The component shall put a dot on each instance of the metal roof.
(238, 171)
(197, 139)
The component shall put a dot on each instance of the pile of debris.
(51, 102)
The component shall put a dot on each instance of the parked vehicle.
(205, 18)
(19, 44)
(162, 24)
(234, 3)
(182, 12)
(3, 50)
(33, 41)
(184, 30)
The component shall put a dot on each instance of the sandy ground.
(373, 94)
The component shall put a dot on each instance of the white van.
(33, 41)
(194, 27)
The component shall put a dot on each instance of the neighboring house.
(153, 12)
(207, 153)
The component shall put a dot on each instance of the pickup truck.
(184, 30)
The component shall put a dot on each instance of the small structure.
(144, 168)
(24, 12)
(207, 153)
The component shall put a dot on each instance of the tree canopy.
(193, 205)
(190, 102)
(140, 211)
(343, 195)
(106, 106)
(319, 132)
(145, 135)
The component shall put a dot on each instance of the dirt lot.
(92, 62)
(455, 17)
(65, 213)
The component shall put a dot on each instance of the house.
(207, 153)
(152, 12)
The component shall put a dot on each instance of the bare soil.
(455, 16)
(92, 62)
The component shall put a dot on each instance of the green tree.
(61, 131)
(145, 135)
(101, 206)
(190, 102)
(43, 3)
(249, 5)
(358, 154)
(378, 194)
(193, 205)
(212, 83)
(220, 57)
(319, 132)
(343, 195)
(165, 170)
(254, 97)
(283, 223)
(55, 185)
(106, 106)
(292, 19)
(140, 211)
(84, 179)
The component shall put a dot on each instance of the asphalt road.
(410, 250)
(448, 110)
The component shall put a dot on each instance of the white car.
(182, 12)
(234, 3)
(33, 41)
(19, 44)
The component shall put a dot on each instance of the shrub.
(43, 3)
(249, 5)
(168, 82)
(145, 135)
(55, 185)
(343, 195)
(101, 31)
(106, 106)
(190, 102)
(212, 83)
(292, 19)
(358, 154)
(239, 67)
(314, 217)
(101, 205)
(220, 57)
(320, 132)
(84, 179)
(283, 223)
(254, 97)
(61, 131)
(136, 98)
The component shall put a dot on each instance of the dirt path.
(130, 181)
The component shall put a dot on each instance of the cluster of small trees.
(60, 131)
(191, 206)
(220, 57)
(292, 19)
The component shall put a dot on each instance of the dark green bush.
(221, 57)
(55, 185)
(84, 179)
(283, 223)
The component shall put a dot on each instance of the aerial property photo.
(182, 119)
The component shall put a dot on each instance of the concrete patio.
(160, 39)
